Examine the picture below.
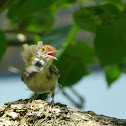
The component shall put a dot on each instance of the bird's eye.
(43, 50)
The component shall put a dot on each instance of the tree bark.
(39, 113)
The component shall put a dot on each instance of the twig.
(22, 31)
(18, 43)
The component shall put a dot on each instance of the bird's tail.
(29, 51)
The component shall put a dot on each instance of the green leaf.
(90, 18)
(66, 3)
(57, 37)
(99, 1)
(69, 1)
(72, 63)
(4, 4)
(119, 3)
(114, 1)
(3, 45)
(41, 22)
(112, 74)
(122, 66)
(21, 9)
(86, 19)
(110, 42)
(81, 50)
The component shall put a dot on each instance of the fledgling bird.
(40, 75)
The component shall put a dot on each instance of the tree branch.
(39, 113)
(22, 31)
(18, 43)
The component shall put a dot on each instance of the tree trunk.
(39, 113)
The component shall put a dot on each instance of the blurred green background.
(89, 34)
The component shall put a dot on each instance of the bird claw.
(34, 98)
(30, 100)
(51, 104)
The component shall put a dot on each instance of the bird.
(39, 74)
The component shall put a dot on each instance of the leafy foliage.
(20, 9)
(112, 74)
(57, 36)
(77, 55)
(90, 18)
(86, 19)
(110, 42)
(99, 1)
(4, 4)
(106, 19)
(40, 22)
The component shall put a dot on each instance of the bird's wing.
(54, 70)
(29, 51)
(23, 75)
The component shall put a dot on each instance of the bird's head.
(48, 51)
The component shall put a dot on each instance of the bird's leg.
(33, 98)
(52, 102)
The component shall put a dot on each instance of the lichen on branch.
(39, 113)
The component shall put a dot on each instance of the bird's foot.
(34, 98)
(30, 100)
(51, 104)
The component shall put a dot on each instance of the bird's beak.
(51, 51)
